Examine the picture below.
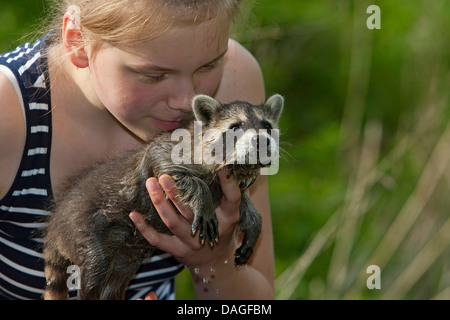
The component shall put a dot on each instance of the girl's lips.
(167, 125)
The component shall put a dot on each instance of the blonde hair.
(125, 22)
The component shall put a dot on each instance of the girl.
(108, 77)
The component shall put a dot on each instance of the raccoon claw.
(242, 255)
(208, 230)
(194, 228)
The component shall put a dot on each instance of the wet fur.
(90, 226)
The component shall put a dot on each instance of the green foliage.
(18, 20)
(364, 176)
(365, 110)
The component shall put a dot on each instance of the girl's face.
(148, 87)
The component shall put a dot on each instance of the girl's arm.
(12, 134)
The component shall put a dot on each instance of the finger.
(150, 234)
(230, 188)
(168, 184)
(165, 209)
(151, 296)
(231, 196)
(173, 221)
(165, 242)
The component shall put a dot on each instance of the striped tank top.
(24, 206)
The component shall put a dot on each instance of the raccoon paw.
(242, 254)
(208, 229)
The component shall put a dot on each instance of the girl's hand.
(150, 296)
(184, 246)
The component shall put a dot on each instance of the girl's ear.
(73, 41)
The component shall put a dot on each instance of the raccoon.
(90, 225)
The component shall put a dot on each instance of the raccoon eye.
(235, 126)
(266, 125)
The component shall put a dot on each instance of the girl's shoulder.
(12, 133)
(242, 76)
(22, 88)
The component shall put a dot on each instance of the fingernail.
(166, 183)
(225, 175)
(152, 186)
(134, 219)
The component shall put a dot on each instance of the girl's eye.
(210, 66)
(155, 77)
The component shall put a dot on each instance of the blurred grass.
(366, 176)
(366, 125)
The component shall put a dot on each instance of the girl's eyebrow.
(156, 68)
(220, 56)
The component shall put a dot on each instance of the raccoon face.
(239, 133)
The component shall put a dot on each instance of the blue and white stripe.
(23, 208)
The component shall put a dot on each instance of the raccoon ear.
(204, 107)
(275, 104)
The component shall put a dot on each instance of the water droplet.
(226, 261)
(196, 271)
(205, 280)
(213, 269)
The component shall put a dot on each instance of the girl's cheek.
(135, 92)
(208, 83)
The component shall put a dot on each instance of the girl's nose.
(182, 95)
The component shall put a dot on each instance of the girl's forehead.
(195, 43)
